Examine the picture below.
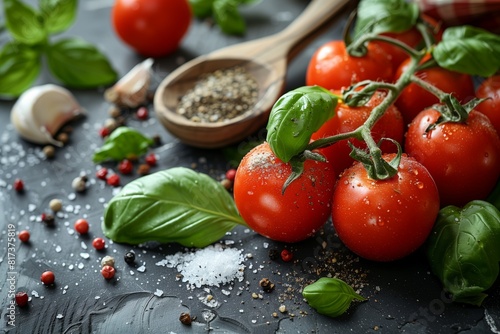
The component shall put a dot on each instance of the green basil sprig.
(175, 205)
(469, 50)
(330, 296)
(295, 117)
(464, 250)
(72, 61)
(123, 143)
(225, 13)
(385, 16)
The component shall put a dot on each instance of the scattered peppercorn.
(143, 169)
(49, 220)
(48, 277)
(142, 113)
(108, 261)
(227, 184)
(125, 167)
(113, 180)
(79, 183)
(55, 205)
(102, 173)
(63, 138)
(157, 140)
(49, 151)
(114, 111)
(24, 236)
(129, 257)
(104, 132)
(18, 185)
(266, 285)
(230, 174)
(286, 255)
(22, 299)
(151, 159)
(111, 124)
(99, 243)
(185, 318)
(274, 254)
(108, 272)
(81, 226)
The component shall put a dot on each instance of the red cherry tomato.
(412, 38)
(153, 28)
(413, 99)
(490, 88)
(389, 219)
(290, 217)
(347, 119)
(463, 158)
(331, 67)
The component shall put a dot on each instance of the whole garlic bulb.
(42, 110)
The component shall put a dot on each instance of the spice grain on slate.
(219, 96)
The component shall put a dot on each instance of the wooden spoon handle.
(279, 45)
(314, 17)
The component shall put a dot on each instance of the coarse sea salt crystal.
(213, 265)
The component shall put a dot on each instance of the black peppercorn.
(274, 254)
(129, 257)
(185, 318)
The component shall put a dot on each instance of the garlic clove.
(131, 90)
(42, 110)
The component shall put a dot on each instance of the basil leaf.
(79, 64)
(228, 17)
(295, 117)
(385, 16)
(19, 67)
(58, 14)
(469, 50)
(174, 205)
(330, 296)
(464, 250)
(23, 22)
(201, 8)
(123, 143)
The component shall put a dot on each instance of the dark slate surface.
(403, 296)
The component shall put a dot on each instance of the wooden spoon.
(266, 59)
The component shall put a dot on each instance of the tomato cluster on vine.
(407, 138)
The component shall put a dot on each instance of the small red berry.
(125, 167)
(24, 236)
(21, 298)
(104, 132)
(108, 272)
(48, 277)
(286, 255)
(142, 113)
(82, 226)
(230, 174)
(102, 173)
(151, 159)
(18, 185)
(113, 180)
(98, 243)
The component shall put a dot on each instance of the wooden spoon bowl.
(265, 59)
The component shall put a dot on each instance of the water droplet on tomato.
(419, 185)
